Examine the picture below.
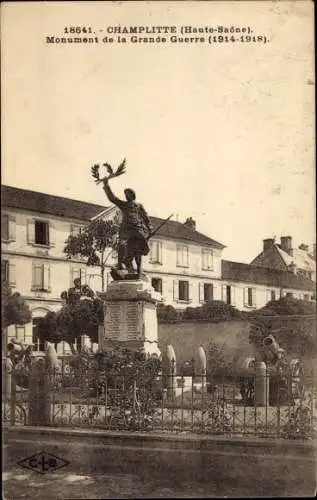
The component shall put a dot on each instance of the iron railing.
(167, 402)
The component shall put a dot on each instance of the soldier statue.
(135, 229)
(134, 232)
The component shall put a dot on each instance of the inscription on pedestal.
(133, 315)
(123, 320)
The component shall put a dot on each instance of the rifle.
(159, 227)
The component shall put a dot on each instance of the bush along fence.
(126, 390)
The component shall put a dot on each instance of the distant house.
(248, 287)
(285, 257)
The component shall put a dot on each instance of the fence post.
(261, 385)
(171, 372)
(7, 368)
(39, 393)
(13, 396)
(203, 366)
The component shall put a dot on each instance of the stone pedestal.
(130, 316)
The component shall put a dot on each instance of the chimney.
(190, 223)
(303, 247)
(268, 243)
(286, 244)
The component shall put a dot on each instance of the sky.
(220, 132)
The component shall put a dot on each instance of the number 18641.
(77, 29)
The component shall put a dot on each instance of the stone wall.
(186, 337)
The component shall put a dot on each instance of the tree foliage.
(15, 311)
(94, 243)
(81, 314)
(291, 321)
(287, 306)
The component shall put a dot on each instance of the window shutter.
(178, 255)
(254, 296)
(268, 295)
(12, 274)
(31, 231)
(46, 276)
(160, 245)
(12, 225)
(190, 291)
(51, 237)
(175, 290)
(211, 259)
(201, 292)
(37, 273)
(245, 296)
(224, 293)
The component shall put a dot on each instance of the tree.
(291, 321)
(15, 311)
(287, 306)
(95, 244)
(81, 314)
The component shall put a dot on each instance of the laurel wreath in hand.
(95, 171)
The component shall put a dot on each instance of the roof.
(177, 230)
(300, 258)
(34, 201)
(247, 273)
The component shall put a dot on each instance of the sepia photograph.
(158, 237)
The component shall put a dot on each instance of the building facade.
(184, 265)
(285, 257)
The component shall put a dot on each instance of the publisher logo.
(43, 462)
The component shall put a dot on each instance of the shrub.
(214, 312)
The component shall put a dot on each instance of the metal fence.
(88, 397)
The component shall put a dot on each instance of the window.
(5, 271)
(207, 259)
(228, 294)
(41, 233)
(206, 292)
(182, 255)
(37, 337)
(183, 290)
(8, 272)
(273, 295)
(289, 294)
(157, 284)
(156, 252)
(306, 296)
(7, 227)
(20, 332)
(4, 227)
(41, 277)
(250, 297)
